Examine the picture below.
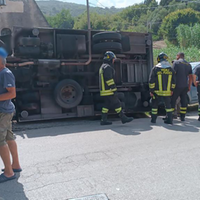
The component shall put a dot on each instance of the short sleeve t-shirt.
(183, 69)
(197, 72)
(7, 80)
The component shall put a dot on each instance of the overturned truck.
(57, 71)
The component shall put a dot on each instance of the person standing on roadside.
(108, 90)
(161, 85)
(183, 71)
(7, 139)
(197, 84)
(177, 106)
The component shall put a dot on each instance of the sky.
(107, 3)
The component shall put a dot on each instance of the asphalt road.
(136, 161)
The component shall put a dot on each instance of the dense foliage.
(191, 53)
(161, 19)
(174, 19)
(188, 36)
(61, 20)
(53, 7)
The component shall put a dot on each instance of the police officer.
(108, 89)
(183, 70)
(162, 83)
(197, 84)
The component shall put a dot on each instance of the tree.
(167, 2)
(174, 19)
(148, 2)
(61, 20)
(98, 22)
(133, 12)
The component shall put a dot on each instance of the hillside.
(53, 7)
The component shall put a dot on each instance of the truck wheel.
(121, 96)
(107, 46)
(68, 93)
(106, 36)
(126, 43)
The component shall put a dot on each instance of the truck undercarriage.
(57, 71)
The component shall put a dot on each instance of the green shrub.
(173, 20)
(192, 54)
(188, 35)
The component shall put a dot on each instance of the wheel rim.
(68, 94)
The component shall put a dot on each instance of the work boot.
(164, 118)
(153, 119)
(124, 118)
(169, 119)
(104, 119)
(182, 117)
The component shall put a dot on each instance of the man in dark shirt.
(183, 70)
(7, 139)
(197, 84)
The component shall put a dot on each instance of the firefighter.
(161, 84)
(108, 89)
(197, 84)
(183, 70)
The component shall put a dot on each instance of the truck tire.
(126, 43)
(106, 36)
(107, 46)
(68, 93)
(121, 96)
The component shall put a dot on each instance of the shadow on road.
(38, 130)
(139, 125)
(190, 124)
(12, 190)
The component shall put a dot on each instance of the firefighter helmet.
(162, 57)
(109, 56)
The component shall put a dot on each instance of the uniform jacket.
(106, 80)
(162, 79)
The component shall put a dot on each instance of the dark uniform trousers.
(155, 102)
(198, 90)
(111, 102)
(182, 92)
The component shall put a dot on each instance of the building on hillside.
(22, 13)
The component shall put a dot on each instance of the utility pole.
(88, 14)
(89, 31)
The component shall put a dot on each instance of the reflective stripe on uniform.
(154, 111)
(169, 110)
(118, 110)
(110, 82)
(160, 82)
(173, 86)
(169, 83)
(103, 91)
(183, 110)
(105, 110)
(113, 90)
(102, 80)
(163, 93)
(106, 93)
(152, 85)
